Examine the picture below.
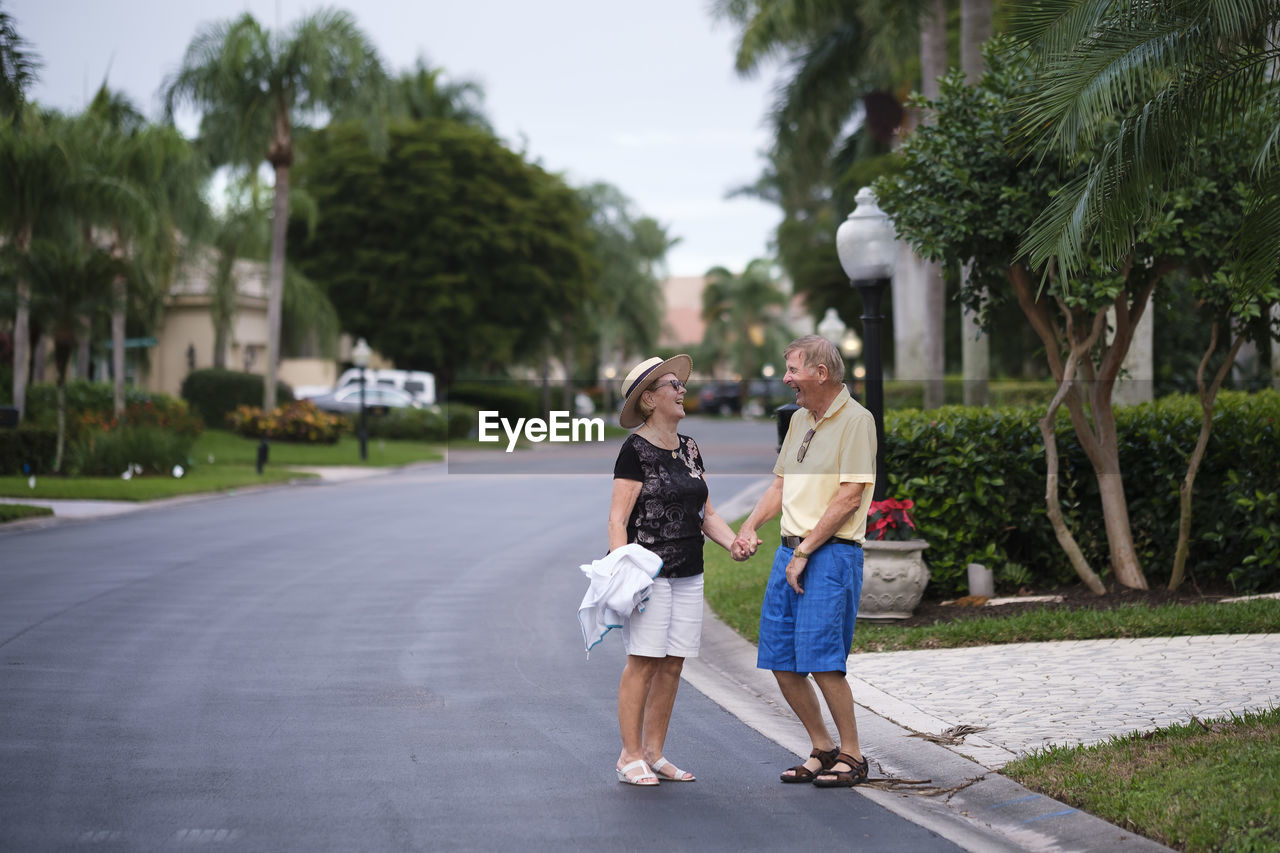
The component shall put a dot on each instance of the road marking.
(100, 836)
(205, 836)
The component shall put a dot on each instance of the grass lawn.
(228, 448)
(205, 478)
(1211, 785)
(734, 591)
(13, 512)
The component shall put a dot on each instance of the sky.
(639, 95)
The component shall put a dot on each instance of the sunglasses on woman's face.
(674, 383)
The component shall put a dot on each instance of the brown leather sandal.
(800, 773)
(827, 778)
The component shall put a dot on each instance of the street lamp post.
(360, 355)
(866, 245)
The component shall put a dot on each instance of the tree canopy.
(967, 194)
(446, 250)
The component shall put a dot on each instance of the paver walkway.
(1031, 695)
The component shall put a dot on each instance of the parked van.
(418, 384)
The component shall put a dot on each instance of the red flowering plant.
(889, 520)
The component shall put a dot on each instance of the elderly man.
(825, 476)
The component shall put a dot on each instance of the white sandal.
(678, 775)
(643, 780)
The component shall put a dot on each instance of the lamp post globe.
(832, 327)
(867, 247)
(360, 356)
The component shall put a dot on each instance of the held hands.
(745, 545)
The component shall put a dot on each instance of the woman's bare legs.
(634, 689)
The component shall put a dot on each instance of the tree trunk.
(39, 353)
(21, 347)
(275, 284)
(220, 346)
(975, 347)
(1115, 513)
(22, 331)
(1052, 504)
(1275, 348)
(933, 64)
(1207, 397)
(975, 30)
(63, 342)
(119, 299)
(84, 365)
(568, 394)
(1099, 439)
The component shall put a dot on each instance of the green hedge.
(215, 393)
(84, 399)
(33, 447)
(438, 423)
(977, 477)
(509, 400)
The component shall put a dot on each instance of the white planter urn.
(893, 578)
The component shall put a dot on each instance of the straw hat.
(642, 376)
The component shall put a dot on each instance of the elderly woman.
(659, 501)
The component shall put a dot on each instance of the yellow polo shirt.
(842, 450)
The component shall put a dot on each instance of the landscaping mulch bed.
(1077, 597)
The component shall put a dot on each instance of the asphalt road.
(385, 664)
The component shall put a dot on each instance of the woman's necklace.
(666, 441)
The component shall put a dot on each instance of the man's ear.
(821, 373)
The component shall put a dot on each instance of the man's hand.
(795, 569)
(745, 545)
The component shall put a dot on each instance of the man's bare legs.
(835, 689)
(800, 695)
(802, 698)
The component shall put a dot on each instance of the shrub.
(977, 478)
(164, 412)
(154, 449)
(509, 400)
(214, 393)
(91, 404)
(299, 421)
(27, 450)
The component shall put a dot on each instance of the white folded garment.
(620, 584)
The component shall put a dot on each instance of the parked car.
(720, 398)
(418, 384)
(724, 397)
(377, 400)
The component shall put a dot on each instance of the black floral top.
(667, 518)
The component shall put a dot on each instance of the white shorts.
(671, 623)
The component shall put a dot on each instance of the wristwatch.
(801, 554)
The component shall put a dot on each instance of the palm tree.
(35, 199)
(624, 314)
(845, 65)
(73, 280)
(18, 68)
(157, 179)
(744, 320)
(253, 88)
(424, 93)
(1174, 71)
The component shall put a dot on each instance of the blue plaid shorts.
(811, 632)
